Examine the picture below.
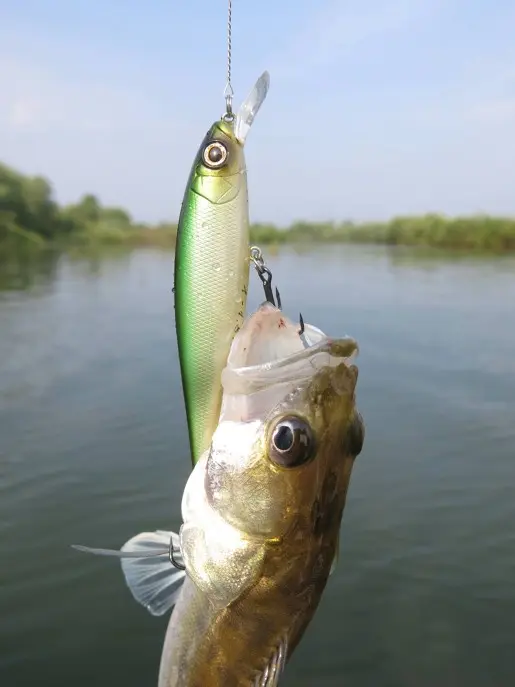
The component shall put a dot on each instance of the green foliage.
(476, 233)
(28, 214)
(26, 204)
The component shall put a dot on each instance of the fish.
(261, 510)
(212, 264)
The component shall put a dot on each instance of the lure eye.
(291, 442)
(215, 155)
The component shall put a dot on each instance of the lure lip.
(250, 107)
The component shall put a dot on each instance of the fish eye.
(215, 155)
(291, 443)
(355, 435)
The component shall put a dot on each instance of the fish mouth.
(271, 350)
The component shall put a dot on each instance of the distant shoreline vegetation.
(30, 216)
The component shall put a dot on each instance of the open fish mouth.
(269, 350)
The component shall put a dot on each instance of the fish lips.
(310, 352)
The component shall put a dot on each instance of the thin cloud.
(484, 95)
(341, 25)
(496, 111)
(33, 99)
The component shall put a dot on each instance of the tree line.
(29, 213)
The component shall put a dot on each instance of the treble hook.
(171, 556)
(266, 279)
(266, 276)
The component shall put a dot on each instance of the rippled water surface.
(93, 449)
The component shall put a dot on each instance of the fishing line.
(255, 253)
(228, 91)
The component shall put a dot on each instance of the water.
(93, 449)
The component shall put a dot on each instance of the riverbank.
(30, 216)
(467, 234)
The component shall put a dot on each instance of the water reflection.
(26, 267)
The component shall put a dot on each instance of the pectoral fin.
(152, 579)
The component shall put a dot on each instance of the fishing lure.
(212, 264)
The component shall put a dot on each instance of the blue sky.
(376, 107)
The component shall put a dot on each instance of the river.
(93, 449)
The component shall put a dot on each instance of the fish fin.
(336, 555)
(150, 576)
(250, 107)
(273, 671)
(220, 561)
(154, 582)
(114, 552)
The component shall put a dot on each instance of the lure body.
(211, 280)
(212, 266)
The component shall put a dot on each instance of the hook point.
(301, 320)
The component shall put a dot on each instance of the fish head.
(219, 170)
(283, 450)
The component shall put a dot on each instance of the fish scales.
(209, 272)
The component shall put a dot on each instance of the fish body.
(212, 265)
(261, 510)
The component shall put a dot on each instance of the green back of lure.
(212, 266)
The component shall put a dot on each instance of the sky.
(376, 108)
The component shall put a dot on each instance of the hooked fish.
(212, 264)
(261, 510)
